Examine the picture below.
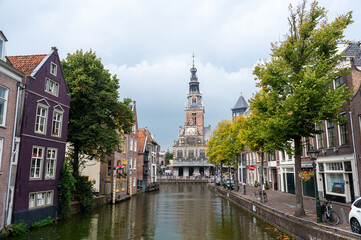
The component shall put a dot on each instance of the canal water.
(176, 211)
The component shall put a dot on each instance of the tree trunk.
(76, 161)
(262, 177)
(300, 212)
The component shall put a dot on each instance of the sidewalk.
(286, 202)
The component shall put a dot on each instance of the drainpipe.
(13, 152)
(354, 157)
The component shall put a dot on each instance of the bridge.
(188, 179)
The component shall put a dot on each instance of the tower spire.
(193, 58)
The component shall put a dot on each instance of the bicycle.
(258, 194)
(329, 215)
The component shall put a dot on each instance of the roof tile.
(26, 63)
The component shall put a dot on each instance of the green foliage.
(225, 143)
(297, 84)
(66, 187)
(168, 156)
(42, 223)
(96, 115)
(18, 228)
(84, 193)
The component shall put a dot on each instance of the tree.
(168, 156)
(96, 115)
(297, 81)
(223, 145)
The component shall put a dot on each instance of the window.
(134, 181)
(135, 163)
(335, 166)
(330, 134)
(135, 145)
(131, 145)
(41, 116)
(32, 200)
(133, 128)
(179, 153)
(338, 81)
(130, 163)
(57, 123)
(343, 132)
(53, 68)
(36, 162)
(319, 136)
(109, 168)
(3, 104)
(40, 199)
(191, 153)
(51, 87)
(51, 163)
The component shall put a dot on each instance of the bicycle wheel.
(333, 219)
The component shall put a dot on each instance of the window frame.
(47, 87)
(54, 164)
(1, 150)
(319, 136)
(61, 113)
(341, 133)
(328, 123)
(40, 166)
(35, 199)
(45, 121)
(53, 66)
(5, 99)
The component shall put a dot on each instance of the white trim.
(41, 63)
(10, 74)
(37, 94)
(5, 105)
(56, 68)
(1, 150)
(60, 124)
(46, 118)
(46, 139)
(43, 99)
(59, 106)
(55, 163)
(41, 162)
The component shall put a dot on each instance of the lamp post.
(313, 154)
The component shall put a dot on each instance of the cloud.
(160, 89)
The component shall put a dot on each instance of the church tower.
(189, 157)
(194, 108)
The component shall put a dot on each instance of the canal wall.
(97, 201)
(297, 227)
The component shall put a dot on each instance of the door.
(290, 183)
(180, 173)
(275, 179)
(352, 191)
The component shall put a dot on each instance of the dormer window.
(53, 68)
(51, 87)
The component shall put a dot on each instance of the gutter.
(354, 157)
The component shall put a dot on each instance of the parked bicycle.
(329, 215)
(258, 194)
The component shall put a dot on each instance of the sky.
(149, 46)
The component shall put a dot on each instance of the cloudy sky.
(149, 45)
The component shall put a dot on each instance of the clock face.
(190, 131)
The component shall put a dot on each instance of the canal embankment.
(297, 227)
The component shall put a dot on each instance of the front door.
(275, 179)
(290, 183)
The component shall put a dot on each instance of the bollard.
(244, 188)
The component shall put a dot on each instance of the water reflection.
(177, 211)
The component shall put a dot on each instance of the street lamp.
(313, 154)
